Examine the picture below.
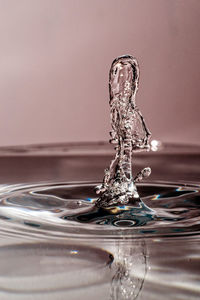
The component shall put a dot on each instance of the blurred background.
(55, 57)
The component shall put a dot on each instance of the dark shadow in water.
(137, 214)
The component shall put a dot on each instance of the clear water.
(166, 209)
(129, 132)
(70, 244)
(55, 244)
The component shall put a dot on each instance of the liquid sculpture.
(129, 133)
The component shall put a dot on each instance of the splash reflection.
(130, 273)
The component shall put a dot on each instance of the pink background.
(55, 57)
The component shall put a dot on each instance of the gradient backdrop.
(55, 57)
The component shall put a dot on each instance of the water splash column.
(129, 133)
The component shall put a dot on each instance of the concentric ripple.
(64, 209)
